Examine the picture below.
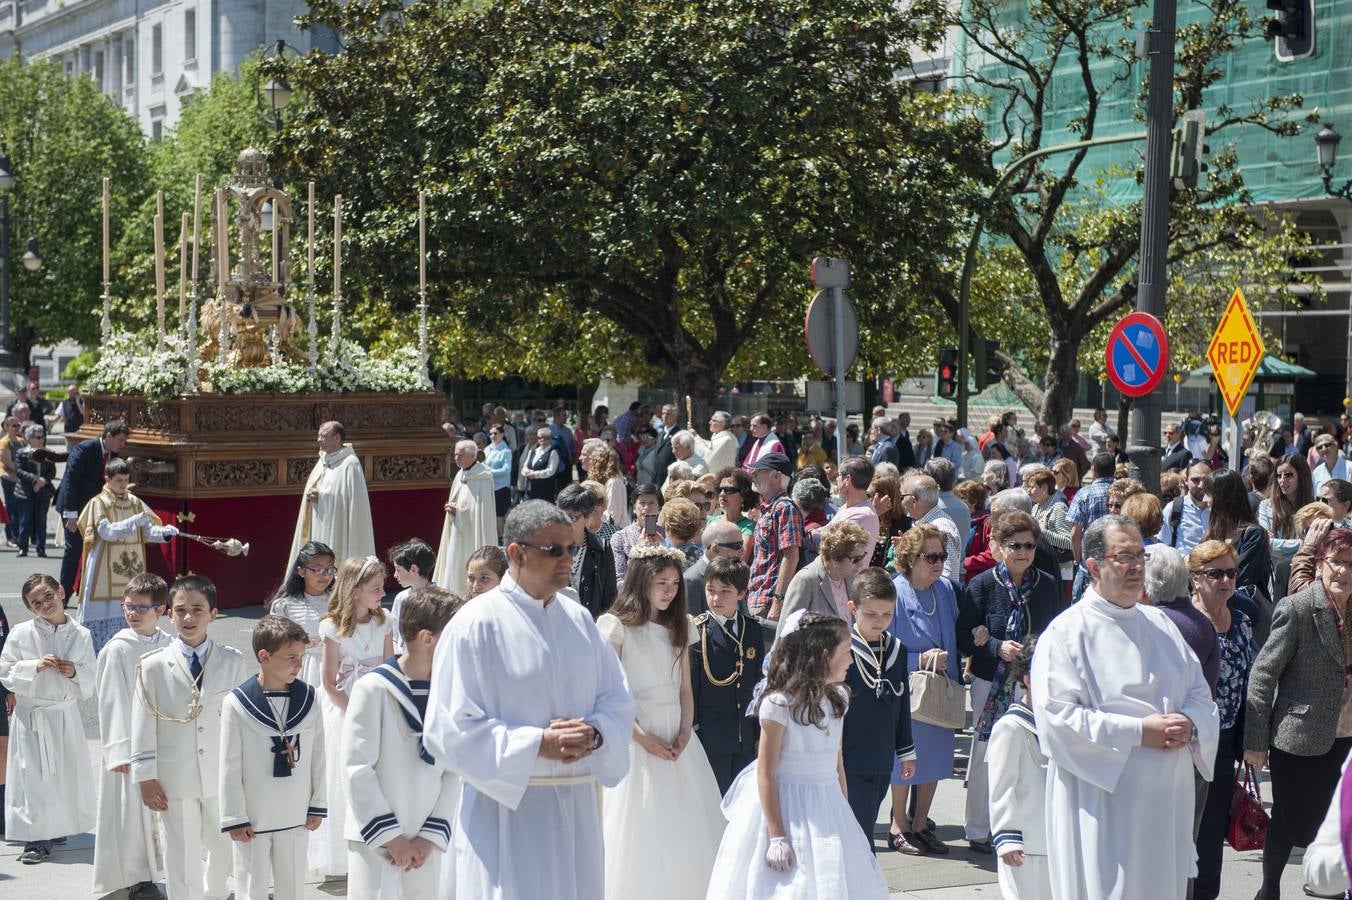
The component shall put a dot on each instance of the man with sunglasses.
(856, 474)
(720, 538)
(529, 705)
(1125, 716)
(1331, 462)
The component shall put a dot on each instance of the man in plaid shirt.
(1090, 504)
(779, 535)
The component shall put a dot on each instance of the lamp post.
(1326, 148)
(32, 260)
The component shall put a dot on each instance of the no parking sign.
(1137, 354)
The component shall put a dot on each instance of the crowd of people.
(742, 648)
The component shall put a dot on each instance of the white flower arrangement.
(132, 364)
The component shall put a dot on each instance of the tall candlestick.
(337, 322)
(276, 244)
(105, 228)
(196, 225)
(222, 269)
(106, 324)
(422, 288)
(159, 267)
(183, 274)
(312, 328)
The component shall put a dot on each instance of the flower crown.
(658, 551)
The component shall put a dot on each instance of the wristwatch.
(597, 739)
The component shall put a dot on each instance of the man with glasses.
(920, 501)
(1331, 462)
(1176, 456)
(778, 539)
(720, 538)
(1186, 517)
(529, 706)
(1125, 716)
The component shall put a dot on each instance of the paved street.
(958, 876)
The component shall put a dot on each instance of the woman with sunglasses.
(999, 610)
(925, 623)
(823, 585)
(1214, 567)
(736, 498)
(1294, 720)
(1232, 520)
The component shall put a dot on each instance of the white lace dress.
(833, 856)
(307, 611)
(359, 653)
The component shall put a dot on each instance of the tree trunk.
(1058, 397)
(697, 379)
(586, 393)
(1123, 420)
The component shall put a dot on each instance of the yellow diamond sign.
(1235, 352)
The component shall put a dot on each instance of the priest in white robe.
(1124, 715)
(335, 508)
(530, 707)
(471, 519)
(720, 450)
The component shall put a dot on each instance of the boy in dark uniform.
(725, 665)
(878, 722)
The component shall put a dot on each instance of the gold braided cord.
(704, 651)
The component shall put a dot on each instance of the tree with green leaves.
(656, 175)
(62, 136)
(1067, 255)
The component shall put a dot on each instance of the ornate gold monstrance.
(250, 306)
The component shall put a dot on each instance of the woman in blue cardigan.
(999, 610)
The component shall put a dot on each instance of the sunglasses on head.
(554, 550)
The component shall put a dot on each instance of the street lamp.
(32, 260)
(1326, 146)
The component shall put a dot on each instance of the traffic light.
(1291, 29)
(946, 378)
(987, 369)
(1190, 149)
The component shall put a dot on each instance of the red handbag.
(1248, 820)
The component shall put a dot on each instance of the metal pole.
(969, 258)
(838, 338)
(1153, 279)
(1232, 438)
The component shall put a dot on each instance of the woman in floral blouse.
(1214, 566)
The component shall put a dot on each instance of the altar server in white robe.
(126, 853)
(471, 519)
(176, 741)
(529, 706)
(335, 508)
(271, 784)
(402, 800)
(48, 664)
(1124, 715)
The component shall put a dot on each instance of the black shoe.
(981, 847)
(34, 855)
(59, 840)
(42, 553)
(146, 890)
(22, 554)
(932, 842)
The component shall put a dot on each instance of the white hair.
(722, 416)
(886, 468)
(1029, 468)
(466, 445)
(720, 531)
(543, 432)
(680, 471)
(683, 439)
(1012, 498)
(1166, 574)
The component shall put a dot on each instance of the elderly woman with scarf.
(999, 610)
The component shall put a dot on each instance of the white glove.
(779, 855)
(163, 533)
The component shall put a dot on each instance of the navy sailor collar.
(1022, 714)
(300, 700)
(397, 684)
(865, 651)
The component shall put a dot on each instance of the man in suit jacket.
(884, 449)
(81, 483)
(1176, 456)
(720, 538)
(901, 436)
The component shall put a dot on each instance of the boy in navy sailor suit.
(725, 665)
(272, 766)
(402, 799)
(878, 721)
